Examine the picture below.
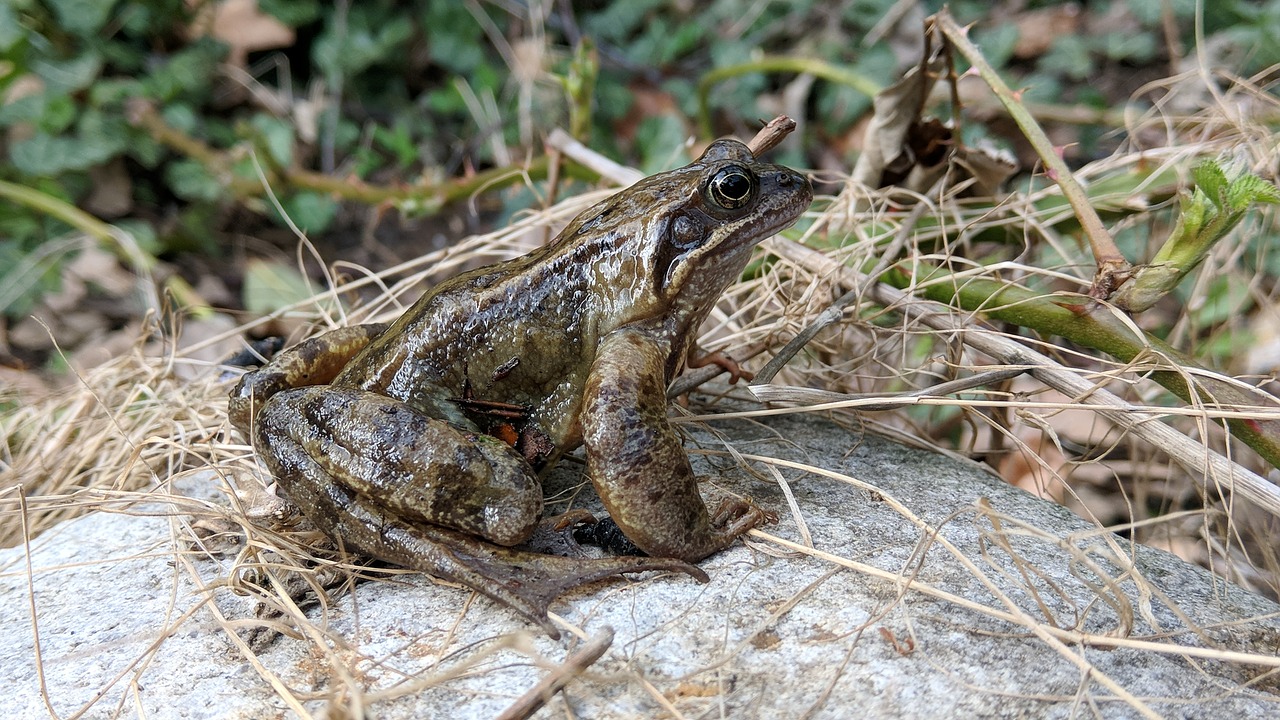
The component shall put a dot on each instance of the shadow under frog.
(419, 442)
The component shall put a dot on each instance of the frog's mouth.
(784, 196)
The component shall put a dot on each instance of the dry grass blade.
(573, 666)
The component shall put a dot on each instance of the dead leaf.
(988, 165)
(898, 109)
(240, 25)
(1038, 29)
(112, 194)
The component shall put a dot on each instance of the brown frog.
(419, 443)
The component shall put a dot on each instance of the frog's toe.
(569, 519)
(736, 516)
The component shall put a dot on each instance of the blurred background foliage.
(158, 117)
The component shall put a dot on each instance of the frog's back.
(516, 332)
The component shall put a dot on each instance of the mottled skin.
(388, 438)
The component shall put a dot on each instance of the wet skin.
(419, 443)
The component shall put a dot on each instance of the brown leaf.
(240, 25)
(112, 194)
(1038, 29)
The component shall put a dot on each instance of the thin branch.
(1112, 266)
(422, 196)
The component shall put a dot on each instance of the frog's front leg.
(387, 481)
(637, 462)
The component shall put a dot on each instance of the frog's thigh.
(638, 464)
(355, 447)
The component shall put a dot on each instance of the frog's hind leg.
(524, 581)
(385, 480)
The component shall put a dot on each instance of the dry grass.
(132, 427)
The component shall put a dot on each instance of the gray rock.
(769, 637)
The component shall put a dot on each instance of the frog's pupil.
(733, 187)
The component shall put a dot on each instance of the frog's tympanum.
(420, 442)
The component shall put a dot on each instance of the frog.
(423, 442)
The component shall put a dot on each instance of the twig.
(771, 134)
(1098, 326)
(1112, 266)
(554, 682)
(31, 604)
(123, 243)
(765, 140)
(421, 196)
(592, 160)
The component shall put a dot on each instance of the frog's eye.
(731, 188)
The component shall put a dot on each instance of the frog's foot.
(570, 518)
(529, 581)
(735, 517)
(525, 581)
(722, 361)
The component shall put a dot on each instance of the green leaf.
(1070, 55)
(60, 112)
(997, 42)
(311, 212)
(11, 31)
(23, 110)
(276, 136)
(103, 135)
(143, 234)
(189, 180)
(1248, 189)
(454, 39)
(293, 13)
(82, 17)
(180, 116)
(1211, 180)
(1228, 296)
(659, 139)
(67, 76)
(399, 141)
(364, 41)
(106, 91)
(270, 286)
(188, 71)
(45, 154)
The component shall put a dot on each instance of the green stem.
(1105, 253)
(59, 210)
(775, 64)
(1091, 324)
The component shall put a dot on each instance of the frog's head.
(670, 244)
(731, 201)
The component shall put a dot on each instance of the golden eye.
(731, 188)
